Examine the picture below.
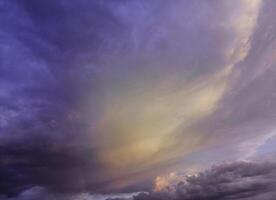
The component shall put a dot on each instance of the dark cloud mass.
(236, 181)
(241, 180)
(98, 98)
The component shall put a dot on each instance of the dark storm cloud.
(61, 61)
(43, 136)
(240, 180)
(236, 181)
(39, 163)
(52, 53)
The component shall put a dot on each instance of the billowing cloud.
(240, 180)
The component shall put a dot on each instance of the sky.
(137, 99)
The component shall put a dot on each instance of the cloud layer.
(104, 96)
(236, 181)
(240, 180)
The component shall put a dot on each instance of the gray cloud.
(240, 180)
(236, 181)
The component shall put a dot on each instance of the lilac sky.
(103, 99)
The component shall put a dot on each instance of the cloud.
(247, 107)
(239, 180)
(37, 192)
(103, 96)
(236, 181)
